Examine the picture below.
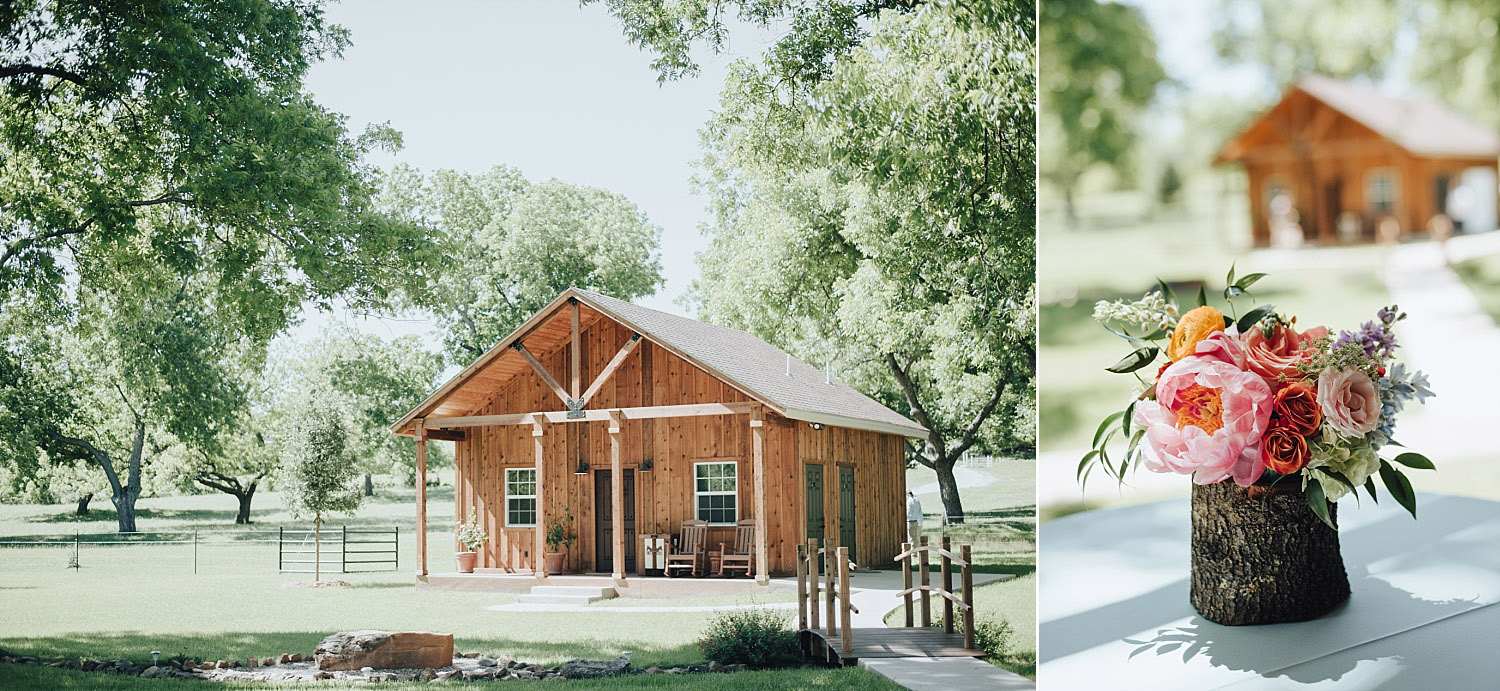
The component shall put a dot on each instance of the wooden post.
(801, 588)
(575, 356)
(617, 494)
(906, 582)
(947, 586)
(846, 635)
(812, 577)
(421, 497)
(926, 583)
(538, 557)
(828, 572)
(758, 471)
(968, 581)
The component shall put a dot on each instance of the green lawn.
(19, 677)
(1482, 276)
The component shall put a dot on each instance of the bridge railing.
(951, 600)
(809, 596)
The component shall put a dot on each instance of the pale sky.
(546, 86)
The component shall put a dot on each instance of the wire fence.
(204, 551)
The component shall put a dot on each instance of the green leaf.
(1167, 293)
(1412, 459)
(1246, 281)
(1129, 413)
(1134, 361)
(1343, 479)
(1229, 279)
(1232, 292)
(1254, 316)
(1105, 425)
(1318, 501)
(1202, 296)
(1399, 487)
(1083, 465)
(1370, 488)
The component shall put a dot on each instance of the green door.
(815, 503)
(846, 510)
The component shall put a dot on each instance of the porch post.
(758, 470)
(421, 434)
(538, 556)
(617, 496)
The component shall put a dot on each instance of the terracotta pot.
(466, 561)
(554, 561)
(1261, 556)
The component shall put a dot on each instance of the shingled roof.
(1421, 126)
(788, 386)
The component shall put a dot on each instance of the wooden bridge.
(840, 643)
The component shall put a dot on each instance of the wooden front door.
(815, 502)
(846, 509)
(604, 525)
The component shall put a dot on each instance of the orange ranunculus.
(1279, 354)
(1283, 450)
(1295, 407)
(1194, 326)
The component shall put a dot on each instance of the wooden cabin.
(1347, 157)
(635, 420)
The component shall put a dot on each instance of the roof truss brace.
(638, 413)
(575, 402)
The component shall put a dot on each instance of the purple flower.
(1375, 338)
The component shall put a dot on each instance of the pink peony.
(1350, 401)
(1224, 347)
(1207, 421)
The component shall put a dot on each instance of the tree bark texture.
(83, 503)
(1261, 556)
(243, 516)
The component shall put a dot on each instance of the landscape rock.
(297, 657)
(653, 670)
(427, 674)
(714, 666)
(252, 662)
(735, 668)
(151, 672)
(592, 669)
(487, 662)
(384, 650)
(221, 664)
(285, 658)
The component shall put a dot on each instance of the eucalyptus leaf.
(1370, 488)
(1412, 459)
(1254, 316)
(1246, 281)
(1135, 360)
(1099, 434)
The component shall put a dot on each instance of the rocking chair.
(687, 551)
(741, 555)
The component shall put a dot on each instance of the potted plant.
(472, 537)
(560, 537)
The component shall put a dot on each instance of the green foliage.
(560, 534)
(990, 635)
(470, 534)
(515, 246)
(757, 637)
(1100, 72)
(319, 468)
(902, 255)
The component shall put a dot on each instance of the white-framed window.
(520, 497)
(716, 488)
(1382, 191)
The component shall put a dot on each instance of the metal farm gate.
(344, 549)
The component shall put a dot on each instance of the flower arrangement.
(560, 531)
(1253, 398)
(470, 534)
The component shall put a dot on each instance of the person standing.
(913, 518)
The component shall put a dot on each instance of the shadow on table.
(1231, 648)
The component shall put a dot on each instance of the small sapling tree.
(319, 472)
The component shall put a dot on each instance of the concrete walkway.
(529, 607)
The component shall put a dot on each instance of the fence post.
(77, 556)
(906, 582)
(344, 549)
(968, 580)
(829, 553)
(846, 636)
(396, 545)
(280, 548)
(926, 583)
(801, 587)
(812, 552)
(195, 551)
(947, 586)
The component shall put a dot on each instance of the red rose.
(1295, 407)
(1283, 450)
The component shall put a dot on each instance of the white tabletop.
(1114, 611)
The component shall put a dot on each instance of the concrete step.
(567, 594)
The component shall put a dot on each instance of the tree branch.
(934, 436)
(99, 456)
(972, 431)
(15, 246)
(8, 71)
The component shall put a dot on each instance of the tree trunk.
(243, 517)
(83, 503)
(369, 486)
(953, 508)
(124, 501)
(1261, 556)
(124, 495)
(317, 549)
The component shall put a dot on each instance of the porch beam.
(421, 434)
(617, 497)
(560, 416)
(538, 555)
(758, 471)
(609, 369)
(574, 356)
(544, 374)
(447, 434)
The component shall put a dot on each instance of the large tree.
(1099, 72)
(516, 245)
(880, 215)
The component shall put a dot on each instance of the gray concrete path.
(530, 607)
(946, 674)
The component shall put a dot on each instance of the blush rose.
(1349, 400)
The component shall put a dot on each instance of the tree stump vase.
(1261, 556)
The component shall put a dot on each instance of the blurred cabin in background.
(1334, 162)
